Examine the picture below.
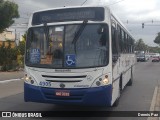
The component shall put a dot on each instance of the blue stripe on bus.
(98, 96)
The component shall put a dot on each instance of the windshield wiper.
(79, 32)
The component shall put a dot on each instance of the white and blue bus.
(77, 55)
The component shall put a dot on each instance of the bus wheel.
(131, 79)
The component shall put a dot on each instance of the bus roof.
(104, 6)
(67, 7)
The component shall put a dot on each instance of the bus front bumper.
(99, 96)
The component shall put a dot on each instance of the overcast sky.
(135, 12)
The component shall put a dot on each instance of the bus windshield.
(58, 50)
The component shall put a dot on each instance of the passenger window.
(114, 46)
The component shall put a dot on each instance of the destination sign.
(69, 14)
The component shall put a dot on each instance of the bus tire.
(130, 82)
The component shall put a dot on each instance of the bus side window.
(114, 46)
(119, 38)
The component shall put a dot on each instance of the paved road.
(134, 98)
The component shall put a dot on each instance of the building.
(5, 36)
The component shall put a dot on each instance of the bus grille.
(48, 76)
(67, 79)
(75, 94)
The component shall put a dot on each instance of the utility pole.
(15, 37)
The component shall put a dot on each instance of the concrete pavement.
(11, 75)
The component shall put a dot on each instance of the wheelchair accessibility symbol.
(70, 60)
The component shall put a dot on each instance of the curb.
(11, 80)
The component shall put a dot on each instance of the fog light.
(32, 81)
(98, 83)
(100, 79)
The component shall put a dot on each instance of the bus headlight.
(29, 79)
(105, 81)
(101, 81)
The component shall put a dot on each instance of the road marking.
(153, 103)
(154, 99)
(11, 80)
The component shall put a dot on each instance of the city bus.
(77, 56)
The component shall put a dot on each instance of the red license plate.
(62, 93)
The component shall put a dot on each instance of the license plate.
(62, 93)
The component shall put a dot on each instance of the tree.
(8, 55)
(154, 49)
(8, 11)
(21, 47)
(2, 54)
(157, 39)
(140, 45)
(21, 50)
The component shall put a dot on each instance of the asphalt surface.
(137, 97)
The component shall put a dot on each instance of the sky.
(131, 12)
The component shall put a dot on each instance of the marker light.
(106, 76)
